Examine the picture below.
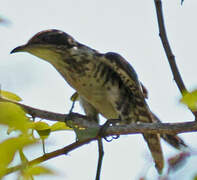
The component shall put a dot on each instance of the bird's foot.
(108, 123)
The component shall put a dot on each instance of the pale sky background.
(128, 27)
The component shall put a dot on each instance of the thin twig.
(167, 48)
(100, 159)
(51, 155)
(171, 58)
(163, 128)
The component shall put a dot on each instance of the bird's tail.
(174, 140)
(153, 141)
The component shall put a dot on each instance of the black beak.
(18, 49)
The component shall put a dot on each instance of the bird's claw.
(108, 123)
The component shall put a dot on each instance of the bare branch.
(47, 156)
(100, 159)
(83, 121)
(167, 48)
(133, 128)
(171, 58)
(34, 112)
(169, 128)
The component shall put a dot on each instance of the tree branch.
(167, 48)
(171, 58)
(83, 121)
(100, 159)
(34, 112)
(133, 128)
(162, 128)
(51, 155)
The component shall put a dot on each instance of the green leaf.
(13, 116)
(195, 177)
(31, 171)
(42, 128)
(8, 149)
(23, 158)
(190, 99)
(38, 170)
(83, 133)
(10, 95)
(60, 126)
(74, 97)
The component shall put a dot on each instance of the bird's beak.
(19, 49)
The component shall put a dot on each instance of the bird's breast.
(97, 83)
(96, 86)
(97, 95)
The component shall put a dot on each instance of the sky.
(127, 27)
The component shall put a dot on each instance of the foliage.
(190, 99)
(16, 120)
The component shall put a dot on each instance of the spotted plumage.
(106, 83)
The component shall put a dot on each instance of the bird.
(105, 82)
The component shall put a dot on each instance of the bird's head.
(49, 45)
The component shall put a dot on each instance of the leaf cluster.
(16, 120)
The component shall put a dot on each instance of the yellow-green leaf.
(9, 147)
(74, 97)
(22, 156)
(60, 126)
(83, 133)
(195, 177)
(10, 95)
(42, 128)
(190, 99)
(13, 116)
(37, 170)
(44, 133)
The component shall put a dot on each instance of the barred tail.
(153, 141)
(174, 140)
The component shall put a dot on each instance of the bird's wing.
(130, 80)
(122, 67)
